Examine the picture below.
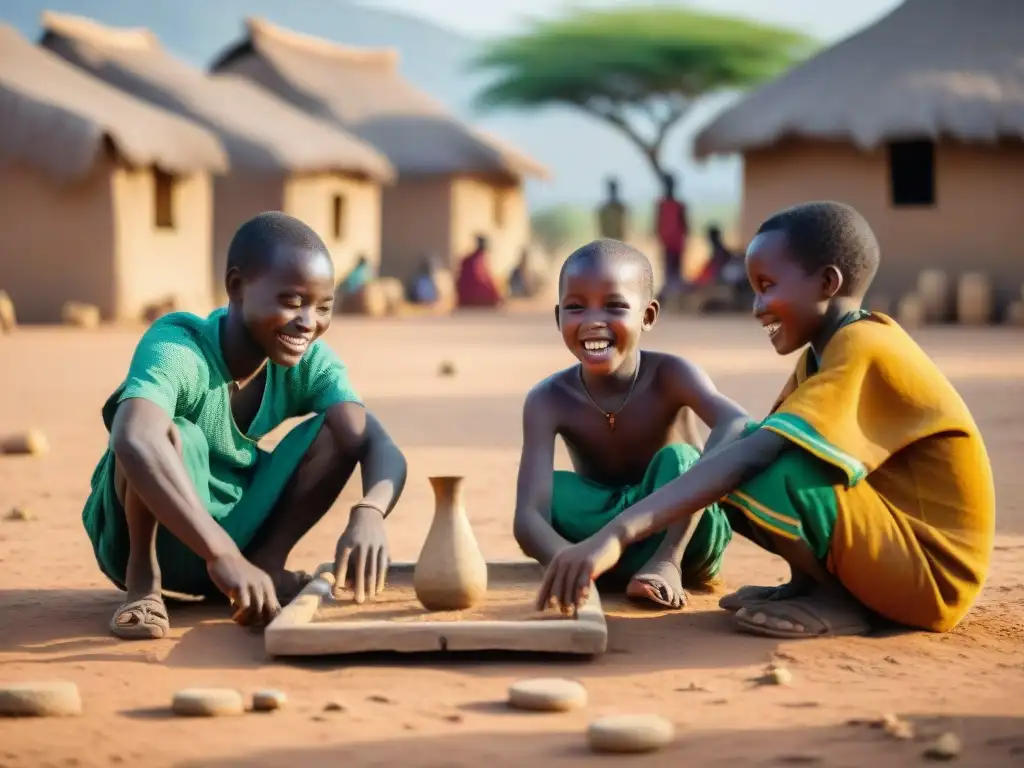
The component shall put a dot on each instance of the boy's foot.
(659, 583)
(823, 613)
(142, 619)
(797, 586)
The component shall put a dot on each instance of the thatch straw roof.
(362, 90)
(60, 120)
(261, 132)
(930, 69)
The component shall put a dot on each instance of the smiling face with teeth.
(287, 304)
(791, 303)
(603, 310)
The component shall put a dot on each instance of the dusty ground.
(690, 667)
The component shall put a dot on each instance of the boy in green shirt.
(184, 499)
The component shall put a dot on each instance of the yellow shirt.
(916, 520)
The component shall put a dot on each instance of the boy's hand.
(364, 546)
(251, 590)
(568, 576)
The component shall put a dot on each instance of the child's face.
(288, 305)
(789, 302)
(602, 312)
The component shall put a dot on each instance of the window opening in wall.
(163, 199)
(338, 217)
(912, 173)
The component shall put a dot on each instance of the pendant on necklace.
(611, 421)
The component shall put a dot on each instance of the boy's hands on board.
(361, 559)
(570, 572)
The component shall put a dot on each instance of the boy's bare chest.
(621, 454)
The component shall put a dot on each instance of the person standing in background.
(613, 215)
(672, 229)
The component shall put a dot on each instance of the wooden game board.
(314, 624)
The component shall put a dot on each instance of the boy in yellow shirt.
(869, 477)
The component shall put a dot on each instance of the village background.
(125, 167)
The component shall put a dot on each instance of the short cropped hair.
(826, 233)
(616, 252)
(253, 244)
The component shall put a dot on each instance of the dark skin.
(797, 308)
(605, 302)
(273, 316)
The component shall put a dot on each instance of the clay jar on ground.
(451, 573)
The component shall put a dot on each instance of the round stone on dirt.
(629, 733)
(49, 699)
(268, 701)
(547, 694)
(208, 702)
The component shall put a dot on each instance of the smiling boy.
(618, 411)
(869, 477)
(184, 499)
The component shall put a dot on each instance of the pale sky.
(825, 19)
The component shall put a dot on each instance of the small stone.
(946, 747)
(378, 699)
(897, 728)
(49, 699)
(447, 368)
(21, 514)
(268, 701)
(207, 702)
(776, 675)
(30, 443)
(629, 733)
(547, 694)
(334, 706)
(454, 718)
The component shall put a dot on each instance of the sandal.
(747, 596)
(144, 619)
(821, 614)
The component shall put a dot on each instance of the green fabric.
(581, 507)
(179, 366)
(794, 498)
(798, 431)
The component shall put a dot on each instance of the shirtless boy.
(869, 477)
(617, 412)
(184, 499)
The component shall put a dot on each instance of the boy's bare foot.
(825, 612)
(744, 597)
(660, 583)
(143, 618)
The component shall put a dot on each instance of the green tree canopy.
(634, 66)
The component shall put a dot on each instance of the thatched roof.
(362, 90)
(61, 121)
(930, 69)
(261, 132)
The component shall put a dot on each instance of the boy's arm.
(571, 571)
(532, 525)
(141, 439)
(690, 386)
(362, 439)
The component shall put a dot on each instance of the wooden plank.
(297, 631)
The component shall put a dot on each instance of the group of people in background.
(672, 229)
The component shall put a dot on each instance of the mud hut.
(917, 121)
(453, 182)
(106, 199)
(281, 158)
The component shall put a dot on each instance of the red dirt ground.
(690, 667)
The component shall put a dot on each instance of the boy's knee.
(675, 458)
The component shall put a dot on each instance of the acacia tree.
(638, 69)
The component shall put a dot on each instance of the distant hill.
(579, 151)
